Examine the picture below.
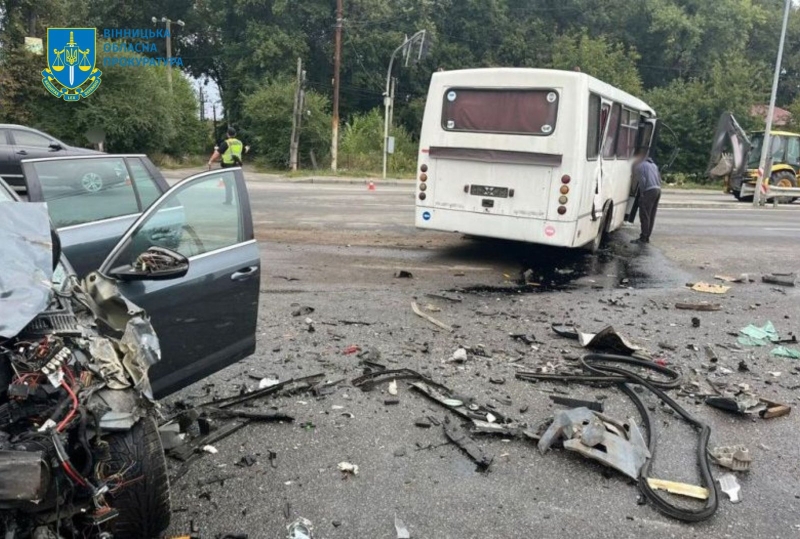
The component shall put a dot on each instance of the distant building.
(780, 117)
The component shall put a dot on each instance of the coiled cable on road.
(600, 367)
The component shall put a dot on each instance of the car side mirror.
(155, 264)
(55, 146)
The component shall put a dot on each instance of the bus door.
(609, 114)
(645, 138)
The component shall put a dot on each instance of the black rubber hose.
(591, 363)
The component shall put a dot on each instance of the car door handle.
(22, 152)
(243, 274)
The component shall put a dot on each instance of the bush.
(361, 147)
(268, 122)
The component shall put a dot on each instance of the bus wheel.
(602, 233)
(784, 178)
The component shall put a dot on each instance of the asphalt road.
(337, 248)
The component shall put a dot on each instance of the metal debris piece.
(620, 446)
(606, 339)
(459, 356)
(737, 458)
(400, 527)
(403, 274)
(782, 279)
(347, 467)
(683, 489)
(743, 278)
(461, 438)
(577, 403)
(743, 403)
(703, 306)
(300, 529)
(710, 288)
(429, 318)
(303, 310)
(730, 486)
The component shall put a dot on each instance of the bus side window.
(626, 138)
(611, 135)
(593, 136)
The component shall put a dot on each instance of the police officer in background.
(229, 152)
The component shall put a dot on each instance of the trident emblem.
(70, 53)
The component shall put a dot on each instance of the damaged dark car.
(83, 361)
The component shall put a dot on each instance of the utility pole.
(337, 61)
(766, 147)
(168, 23)
(295, 120)
(388, 94)
(202, 105)
(214, 109)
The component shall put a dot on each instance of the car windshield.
(778, 149)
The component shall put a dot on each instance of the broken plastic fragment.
(736, 458)
(300, 529)
(347, 467)
(783, 351)
(393, 387)
(683, 489)
(710, 288)
(267, 382)
(402, 531)
(210, 449)
(730, 486)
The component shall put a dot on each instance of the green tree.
(268, 121)
(609, 62)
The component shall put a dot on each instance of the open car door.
(191, 261)
(646, 137)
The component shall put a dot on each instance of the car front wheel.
(144, 503)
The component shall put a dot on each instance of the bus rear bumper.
(492, 225)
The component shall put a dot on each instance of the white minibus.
(534, 155)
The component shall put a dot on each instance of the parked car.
(80, 363)
(90, 222)
(18, 142)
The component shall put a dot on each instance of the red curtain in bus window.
(531, 112)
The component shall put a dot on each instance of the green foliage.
(361, 147)
(610, 62)
(268, 122)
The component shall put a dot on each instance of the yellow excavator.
(735, 157)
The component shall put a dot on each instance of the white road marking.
(783, 229)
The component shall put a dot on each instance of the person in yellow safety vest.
(229, 152)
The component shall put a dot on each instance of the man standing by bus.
(648, 178)
(229, 152)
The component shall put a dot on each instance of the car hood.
(72, 150)
(26, 264)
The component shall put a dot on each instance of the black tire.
(602, 233)
(784, 178)
(144, 505)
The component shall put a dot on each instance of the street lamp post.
(766, 145)
(168, 24)
(388, 97)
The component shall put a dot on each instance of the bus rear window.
(516, 112)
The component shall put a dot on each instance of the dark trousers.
(648, 204)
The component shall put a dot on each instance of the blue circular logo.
(426, 215)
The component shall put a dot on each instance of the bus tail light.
(562, 199)
(423, 167)
(423, 177)
(561, 209)
(564, 190)
(565, 179)
(422, 196)
(423, 186)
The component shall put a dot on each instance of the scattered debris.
(711, 354)
(300, 529)
(210, 449)
(782, 351)
(758, 336)
(498, 380)
(459, 356)
(461, 438)
(782, 279)
(393, 387)
(303, 310)
(730, 486)
(746, 403)
(346, 467)
(446, 298)
(577, 403)
(431, 308)
(737, 458)
(401, 529)
(695, 322)
(391, 402)
(352, 349)
(704, 306)
(682, 489)
(743, 278)
(423, 423)
(246, 461)
(523, 338)
(606, 339)
(710, 288)
(268, 382)
(429, 318)
(620, 446)
(403, 274)
(310, 325)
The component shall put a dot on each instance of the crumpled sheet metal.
(141, 350)
(26, 264)
(607, 339)
(600, 438)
